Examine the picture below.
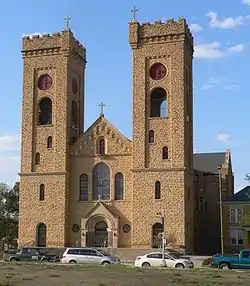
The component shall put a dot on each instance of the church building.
(96, 187)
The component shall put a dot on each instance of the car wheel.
(45, 260)
(224, 266)
(179, 265)
(72, 261)
(13, 259)
(105, 263)
(146, 264)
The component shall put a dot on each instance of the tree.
(247, 177)
(9, 209)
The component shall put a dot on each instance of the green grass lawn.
(27, 274)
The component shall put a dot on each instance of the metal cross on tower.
(134, 10)
(67, 19)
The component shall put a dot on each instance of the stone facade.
(97, 187)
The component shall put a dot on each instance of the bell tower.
(162, 56)
(162, 94)
(52, 120)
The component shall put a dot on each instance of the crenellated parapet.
(159, 31)
(52, 44)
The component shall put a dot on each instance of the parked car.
(154, 259)
(31, 254)
(239, 260)
(88, 256)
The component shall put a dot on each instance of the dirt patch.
(112, 275)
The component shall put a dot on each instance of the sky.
(221, 67)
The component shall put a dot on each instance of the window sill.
(45, 125)
(158, 118)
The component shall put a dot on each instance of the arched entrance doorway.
(101, 234)
(41, 235)
(157, 229)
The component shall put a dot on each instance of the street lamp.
(221, 214)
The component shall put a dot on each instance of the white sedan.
(154, 259)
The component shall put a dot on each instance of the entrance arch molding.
(93, 220)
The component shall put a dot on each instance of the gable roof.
(101, 126)
(243, 196)
(104, 119)
(99, 206)
(208, 162)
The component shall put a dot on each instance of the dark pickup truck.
(240, 260)
(30, 254)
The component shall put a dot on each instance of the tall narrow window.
(151, 136)
(41, 192)
(101, 182)
(101, 146)
(157, 190)
(37, 159)
(45, 111)
(49, 142)
(158, 103)
(119, 186)
(41, 235)
(165, 153)
(84, 191)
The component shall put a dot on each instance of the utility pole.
(163, 263)
(221, 211)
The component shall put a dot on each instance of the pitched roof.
(208, 162)
(99, 119)
(241, 196)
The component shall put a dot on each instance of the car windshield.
(175, 255)
(103, 252)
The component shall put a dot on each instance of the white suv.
(88, 256)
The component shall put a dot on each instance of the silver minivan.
(88, 256)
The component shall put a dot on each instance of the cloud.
(246, 2)
(236, 49)
(226, 23)
(208, 51)
(213, 50)
(9, 168)
(10, 143)
(195, 28)
(219, 82)
(224, 138)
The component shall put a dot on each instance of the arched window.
(119, 186)
(158, 103)
(49, 142)
(41, 192)
(165, 153)
(157, 230)
(151, 136)
(157, 190)
(45, 111)
(41, 235)
(84, 191)
(37, 159)
(101, 146)
(74, 114)
(101, 182)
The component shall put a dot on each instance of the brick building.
(97, 187)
